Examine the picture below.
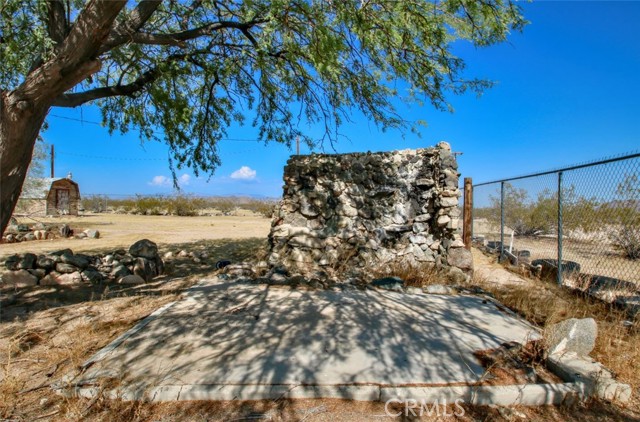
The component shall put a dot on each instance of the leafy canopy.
(194, 68)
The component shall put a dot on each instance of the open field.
(122, 230)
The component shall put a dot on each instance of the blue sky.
(568, 91)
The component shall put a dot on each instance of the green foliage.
(528, 217)
(196, 68)
(179, 204)
(95, 203)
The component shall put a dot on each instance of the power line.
(110, 158)
(100, 124)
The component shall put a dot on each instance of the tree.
(183, 72)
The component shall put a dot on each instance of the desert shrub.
(225, 205)
(150, 205)
(265, 208)
(185, 206)
(95, 203)
(627, 239)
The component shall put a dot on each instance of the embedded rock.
(144, 249)
(19, 278)
(573, 335)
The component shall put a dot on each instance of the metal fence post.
(501, 221)
(559, 277)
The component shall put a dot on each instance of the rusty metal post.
(467, 213)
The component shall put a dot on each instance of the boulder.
(131, 279)
(572, 335)
(143, 268)
(76, 260)
(50, 279)
(460, 258)
(92, 233)
(62, 267)
(92, 276)
(389, 283)
(120, 271)
(27, 262)
(62, 252)
(19, 278)
(69, 278)
(38, 272)
(11, 263)
(144, 249)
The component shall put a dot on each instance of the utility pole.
(297, 145)
(52, 161)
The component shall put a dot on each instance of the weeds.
(618, 341)
(627, 239)
(413, 275)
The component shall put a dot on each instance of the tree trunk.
(19, 128)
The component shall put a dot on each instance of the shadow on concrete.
(243, 337)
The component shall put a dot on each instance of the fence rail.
(581, 221)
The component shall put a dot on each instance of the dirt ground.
(122, 230)
(596, 257)
(47, 333)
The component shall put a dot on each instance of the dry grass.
(413, 275)
(544, 303)
(41, 349)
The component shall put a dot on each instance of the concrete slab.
(255, 341)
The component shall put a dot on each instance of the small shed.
(50, 196)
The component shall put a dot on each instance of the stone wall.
(352, 212)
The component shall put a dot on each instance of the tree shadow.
(180, 273)
(249, 340)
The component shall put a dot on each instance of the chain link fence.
(577, 224)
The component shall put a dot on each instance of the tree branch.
(57, 25)
(178, 38)
(138, 17)
(79, 98)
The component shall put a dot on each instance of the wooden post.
(467, 219)
(52, 162)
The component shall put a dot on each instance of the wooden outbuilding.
(50, 196)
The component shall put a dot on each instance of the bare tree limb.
(79, 98)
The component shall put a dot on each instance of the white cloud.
(160, 181)
(184, 179)
(244, 173)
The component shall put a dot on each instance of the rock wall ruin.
(352, 212)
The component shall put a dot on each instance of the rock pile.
(16, 233)
(365, 209)
(140, 264)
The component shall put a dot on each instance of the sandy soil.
(595, 257)
(122, 230)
